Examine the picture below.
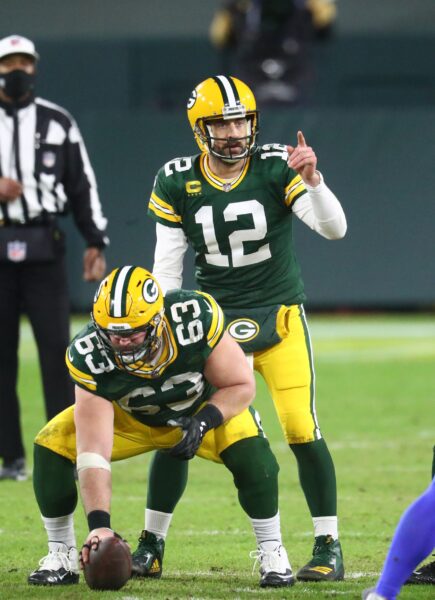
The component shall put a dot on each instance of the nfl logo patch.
(17, 251)
(48, 159)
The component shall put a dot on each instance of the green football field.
(375, 402)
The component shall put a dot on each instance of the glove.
(194, 429)
(191, 440)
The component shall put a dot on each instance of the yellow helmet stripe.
(217, 324)
(82, 378)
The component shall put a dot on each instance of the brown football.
(109, 566)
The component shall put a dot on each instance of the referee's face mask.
(17, 77)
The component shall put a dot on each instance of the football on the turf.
(109, 566)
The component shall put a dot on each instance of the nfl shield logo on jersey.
(17, 251)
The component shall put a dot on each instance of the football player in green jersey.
(234, 203)
(152, 373)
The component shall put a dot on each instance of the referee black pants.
(41, 291)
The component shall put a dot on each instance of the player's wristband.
(97, 519)
(210, 417)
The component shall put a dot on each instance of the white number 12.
(239, 258)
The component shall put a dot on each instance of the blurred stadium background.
(125, 70)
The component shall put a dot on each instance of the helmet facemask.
(203, 130)
(135, 355)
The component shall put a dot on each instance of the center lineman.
(146, 369)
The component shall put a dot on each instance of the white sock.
(157, 522)
(60, 529)
(267, 530)
(326, 526)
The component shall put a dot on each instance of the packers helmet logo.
(192, 99)
(150, 291)
(243, 330)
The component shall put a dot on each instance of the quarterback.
(152, 372)
(234, 203)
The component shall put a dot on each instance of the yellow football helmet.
(129, 301)
(225, 98)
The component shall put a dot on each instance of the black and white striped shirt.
(49, 158)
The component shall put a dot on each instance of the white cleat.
(275, 569)
(59, 567)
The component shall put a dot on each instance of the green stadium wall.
(369, 112)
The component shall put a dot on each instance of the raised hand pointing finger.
(303, 160)
(301, 139)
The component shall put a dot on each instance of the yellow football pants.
(288, 371)
(132, 437)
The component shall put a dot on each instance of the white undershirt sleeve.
(320, 209)
(171, 246)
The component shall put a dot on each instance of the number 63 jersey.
(174, 384)
(241, 231)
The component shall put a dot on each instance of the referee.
(44, 172)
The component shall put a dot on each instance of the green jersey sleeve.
(273, 158)
(169, 186)
(88, 363)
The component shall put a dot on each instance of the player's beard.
(233, 151)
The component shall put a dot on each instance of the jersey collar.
(217, 182)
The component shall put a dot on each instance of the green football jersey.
(241, 232)
(175, 384)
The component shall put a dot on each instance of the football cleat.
(425, 575)
(371, 594)
(275, 569)
(59, 567)
(14, 469)
(147, 559)
(327, 561)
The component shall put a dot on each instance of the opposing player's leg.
(413, 540)
(424, 575)
(289, 373)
